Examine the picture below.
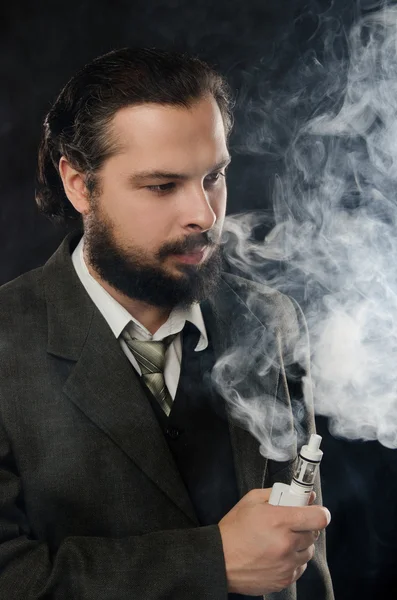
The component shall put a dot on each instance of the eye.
(163, 188)
(214, 178)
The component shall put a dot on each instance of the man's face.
(154, 227)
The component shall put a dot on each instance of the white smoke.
(336, 235)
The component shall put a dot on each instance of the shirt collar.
(118, 317)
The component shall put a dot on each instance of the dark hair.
(76, 125)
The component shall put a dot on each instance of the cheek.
(139, 219)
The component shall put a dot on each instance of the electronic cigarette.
(298, 492)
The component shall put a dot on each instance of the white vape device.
(298, 493)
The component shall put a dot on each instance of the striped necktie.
(151, 359)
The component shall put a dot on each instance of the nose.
(198, 213)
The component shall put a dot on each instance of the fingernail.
(328, 516)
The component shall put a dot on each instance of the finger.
(299, 572)
(308, 518)
(305, 555)
(312, 498)
(304, 540)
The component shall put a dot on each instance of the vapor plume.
(334, 243)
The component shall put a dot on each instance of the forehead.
(153, 133)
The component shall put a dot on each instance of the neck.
(151, 317)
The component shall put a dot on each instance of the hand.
(268, 547)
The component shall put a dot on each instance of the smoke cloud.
(334, 246)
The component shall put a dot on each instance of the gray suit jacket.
(92, 505)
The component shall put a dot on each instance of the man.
(121, 473)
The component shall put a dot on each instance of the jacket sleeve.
(177, 564)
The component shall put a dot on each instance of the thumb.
(266, 494)
(257, 496)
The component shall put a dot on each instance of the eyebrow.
(140, 177)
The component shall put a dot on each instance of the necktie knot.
(150, 356)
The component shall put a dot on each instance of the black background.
(270, 51)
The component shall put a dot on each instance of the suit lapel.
(102, 383)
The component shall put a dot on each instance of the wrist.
(230, 560)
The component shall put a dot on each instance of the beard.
(131, 272)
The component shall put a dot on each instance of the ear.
(74, 186)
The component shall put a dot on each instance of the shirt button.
(173, 433)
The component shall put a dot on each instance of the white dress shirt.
(118, 318)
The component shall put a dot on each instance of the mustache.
(191, 243)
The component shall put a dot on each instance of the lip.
(192, 258)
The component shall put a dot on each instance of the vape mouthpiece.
(298, 493)
(314, 442)
(311, 451)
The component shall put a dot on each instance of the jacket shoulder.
(21, 301)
